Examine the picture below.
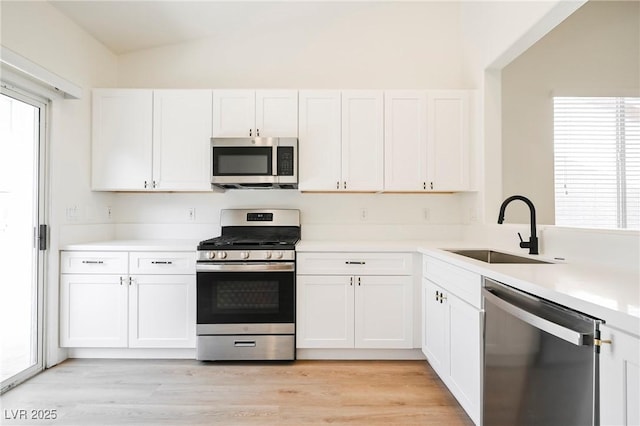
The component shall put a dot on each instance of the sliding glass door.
(22, 209)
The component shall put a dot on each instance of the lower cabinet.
(619, 378)
(452, 331)
(355, 312)
(152, 309)
(372, 308)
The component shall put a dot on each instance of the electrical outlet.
(191, 214)
(73, 213)
(364, 214)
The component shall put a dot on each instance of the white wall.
(38, 32)
(594, 52)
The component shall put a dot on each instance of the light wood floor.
(186, 392)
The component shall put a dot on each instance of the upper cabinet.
(250, 113)
(122, 139)
(341, 141)
(146, 140)
(320, 144)
(427, 140)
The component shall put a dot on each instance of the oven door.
(244, 297)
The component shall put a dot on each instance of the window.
(597, 162)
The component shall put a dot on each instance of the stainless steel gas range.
(246, 287)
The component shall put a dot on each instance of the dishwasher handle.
(575, 337)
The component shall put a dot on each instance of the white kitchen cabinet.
(362, 141)
(449, 139)
(93, 311)
(181, 140)
(250, 113)
(162, 311)
(427, 140)
(405, 141)
(452, 330)
(341, 141)
(619, 378)
(146, 140)
(354, 300)
(320, 140)
(122, 139)
(121, 299)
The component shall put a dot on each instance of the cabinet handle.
(154, 184)
(600, 342)
(130, 280)
(344, 184)
(354, 263)
(424, 185)
(250, 132)
(350, 280)
(337, 184)
(359, 280)
(121, 280)
(161, 262)
(93, 262)
(431, 185)
(257, 132)
(146, 184)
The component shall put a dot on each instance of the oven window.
(245, 161)
(245, 297)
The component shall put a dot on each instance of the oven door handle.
(246, 267)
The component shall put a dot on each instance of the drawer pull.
(354, 263)
(93, 262)
(244, 343)
(162, 262)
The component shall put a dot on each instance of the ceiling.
(127, 26)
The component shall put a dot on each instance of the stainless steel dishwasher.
(541, 361)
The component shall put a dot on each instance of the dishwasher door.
(540, 362)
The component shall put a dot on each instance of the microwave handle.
(274, 158)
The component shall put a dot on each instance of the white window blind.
(597, 162)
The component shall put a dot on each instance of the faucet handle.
(524, 244)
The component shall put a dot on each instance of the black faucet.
(532, 244)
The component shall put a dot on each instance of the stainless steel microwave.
(251, 163)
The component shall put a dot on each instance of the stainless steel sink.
(491, 256)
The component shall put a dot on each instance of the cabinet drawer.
(464, 284)
(157, 262)
(93, 262)
(357, 263)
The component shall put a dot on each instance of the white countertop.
(610, 294)
(135, 245)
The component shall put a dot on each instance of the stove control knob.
(222, 255)
(267, 255)
(212, 255)
(244, 255)
(278, 255)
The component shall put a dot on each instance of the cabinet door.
(436, 335)
(619, 378)
(465, 331)
(181, 139)
(362, 141)
(405, 141)
(162, 311)
(324, 311)
(449, 140)
(383, 312)
(234, 113)
(121, 139)
(93, 311)
(277, 113)
(320, 140)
